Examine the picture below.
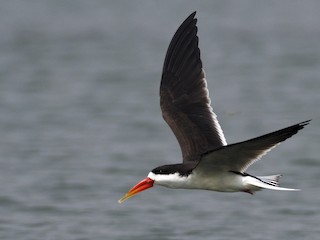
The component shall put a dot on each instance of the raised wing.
(239, 156)
(184, 97)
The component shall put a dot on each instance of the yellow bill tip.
(125, 197)
(141, 186)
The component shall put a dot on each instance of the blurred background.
(80, 121)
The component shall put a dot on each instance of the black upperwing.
(239, 156)
(184, 97)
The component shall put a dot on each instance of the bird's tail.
(271, 180)
(266, 182)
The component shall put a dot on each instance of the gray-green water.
(80, 121)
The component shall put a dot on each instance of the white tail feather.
(266, 182)
(272, 179)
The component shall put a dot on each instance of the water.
(80, 121)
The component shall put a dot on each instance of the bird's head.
(168, 175)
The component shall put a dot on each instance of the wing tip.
(300, 125)
(193, 14)
(304, 123)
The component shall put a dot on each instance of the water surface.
(80, 121)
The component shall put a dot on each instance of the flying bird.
(209, 163)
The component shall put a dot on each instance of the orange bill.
(141, 186)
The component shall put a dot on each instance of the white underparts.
(222, 182)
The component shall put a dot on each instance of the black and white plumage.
(208, 162)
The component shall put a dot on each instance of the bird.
(208, 162)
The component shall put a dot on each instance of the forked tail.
(265, 182)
